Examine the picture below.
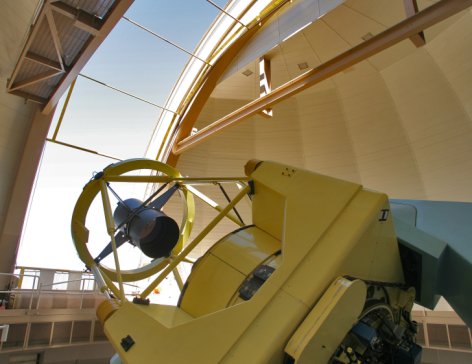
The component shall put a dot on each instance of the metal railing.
(8, 295)
(36, 288)
(443, 332)
(26, 313)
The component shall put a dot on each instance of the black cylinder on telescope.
(155, 233)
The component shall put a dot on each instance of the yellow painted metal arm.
(194, 243)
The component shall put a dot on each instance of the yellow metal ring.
(80, 232)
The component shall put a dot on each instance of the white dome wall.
(399, 122)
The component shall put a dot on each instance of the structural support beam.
(403, 30)
(55, 36)
(228, 14)
(411, 8)
(192, 107)
(126, 93)
(55, 141)
(63, 111)
(35, 79)
(83, 20)
(114, 16)
(45, 25)
(164, 39)
(265, 83)
(28, 96)
(43, 61)
(29, 42)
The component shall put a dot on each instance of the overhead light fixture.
(367, 36)
(247, 73)
(303, 66)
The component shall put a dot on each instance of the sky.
(103, 120)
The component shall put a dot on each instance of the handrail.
(18, 275)
(32, 312)
(67, 293)
(50, 269)
(70, 281)
(38, 288)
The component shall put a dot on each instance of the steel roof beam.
(55, 36)
(83, 20)
(28, 96)
(113, 17)
(411, 8)
(32, 35)
(403, 30)
(225, 12)
(43, 61)
(35, 79)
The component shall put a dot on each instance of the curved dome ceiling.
(399, 122)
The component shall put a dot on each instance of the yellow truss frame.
(111, 173)
(163, 173)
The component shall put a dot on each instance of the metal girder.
(55, 36)
(28, 96)
(55, 141)
(164, 39)
(125, 93)
(83, 20)
(43, 61)
(115, 14)
(228, 14)
(29, 42)
(34, 79)
(63, 111)
(403, 30)
(411, 8)
(192, 109)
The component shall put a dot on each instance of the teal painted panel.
(449, 274)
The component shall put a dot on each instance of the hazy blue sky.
(108, 122)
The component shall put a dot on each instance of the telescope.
(326, 272)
